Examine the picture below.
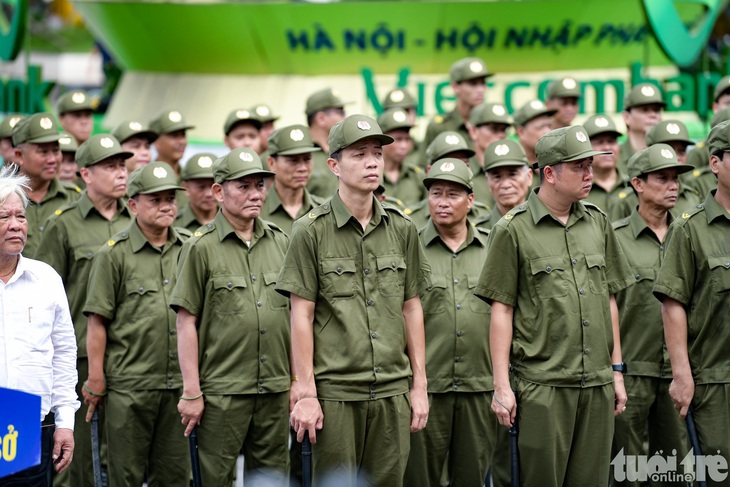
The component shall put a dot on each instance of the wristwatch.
(619, 367)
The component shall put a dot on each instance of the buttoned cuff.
(65, 417)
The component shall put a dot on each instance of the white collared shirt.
(37, 340)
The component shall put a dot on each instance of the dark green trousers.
(711, 409)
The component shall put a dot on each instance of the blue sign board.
(20, 431)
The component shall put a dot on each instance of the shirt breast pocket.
(436, 297)
(338, 278)
(141, 295)
(720, 273)
(548, 275)
(85, 253)
(229, 295)
(276, 300)
(597, 273)
(391, 275)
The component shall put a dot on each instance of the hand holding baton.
(194, 458)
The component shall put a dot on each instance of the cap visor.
(298, 150)
(605, 132)
(446, 177)
(175, 128)
(250, 172)
(583, 155)
(163, 187)
(681, 168)
(44, 139)
(382, 138)
(506, 164)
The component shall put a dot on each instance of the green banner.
(342, 38)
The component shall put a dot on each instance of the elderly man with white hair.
(37, 342)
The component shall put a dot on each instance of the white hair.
(11, 181)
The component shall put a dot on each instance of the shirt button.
(567, 229)
(41, 228)
(89, 254)
(169, 384)
(581, 292)
(548, 268)
(372, 395)
(262, 331)
(339, 270)
(456, 281)
(457, 359)
(585, 376)
(141, 289)
(661, 247)
(369, 302)
(326, 207)
(230, 285)
(253, 278)
(377, 370)
(366, 271)
(585, 351)
(727, 264)
(456, 380)
(392, 265)
(261, 381)
(173, 332)
(373, 335)
(172, 356)
(169, 376)
(262, 359)
(372, 387)
(454, 255)
(459, 333)
(458, 306)
(258, 303)
(261, 389)
(573, 261)
(456, 387)
(637, 276)
(166, 281)
(585, 323)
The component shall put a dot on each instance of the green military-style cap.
(655, 158)
(68, 143)
(200, 166)
(394, 119)
(719, 138)
(530, 111)
(399, 98)
(468, 68)
(599, 125)
(566, 144)
(644, 94)
(264, 114)
(133, 128)
(291, 140)
(38, 128)
(445, 143)
(504, 153)
(489, 113)
(151, 178)
(668, 131)
(75, 101)
(563, 88)
(237, 164)
(322, 100)
(8, 123)
(353, 129)
(169, 121)
(720, 116)
(98, 148)
(450, 169)
(242, 115)
(721, 87)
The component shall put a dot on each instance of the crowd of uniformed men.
(602, 270)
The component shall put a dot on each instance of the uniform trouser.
(42, 474)
(711, 410)
(144, 430)
(461, 426)
(259, 422)
(81, 471)
(368, 440)
(501, 467)
(565, 434)
(649, 417)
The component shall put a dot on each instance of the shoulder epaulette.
(117, 238)
(394, 209)
(416, 207)
(65, 208)
(204, 229)
(70, 186)
(415, 169)
(687, 215)
(623, 194)
(592, 207)
(315, 213)
(624, 222)
(514, 212)
(700, 144)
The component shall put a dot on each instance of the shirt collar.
(540, 211)
(138, 240)
(85, 205)
(429, 234)
(713, 209)
(343, 215)
(225, 229)
(638, 225)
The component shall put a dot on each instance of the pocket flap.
(546, 264)
(472, 281)
(142, 286)
(338, 266)
(270, 278)
(438, 281)
(715, 262)
(229, 282)
(392, 262)
(644, 274)
(85, 252)
(595, 260)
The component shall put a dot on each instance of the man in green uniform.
(68, 169)
(7, 151)
(38, 154)
(132, 341)
(553, 265)
(693, 285)
(702, 178)
(72, 236)
(651, 419)
(324, 108)
(488, 123)
(267, 119)
(242, 128)
(509, 178)
(288, 199)
(75, 113)
(137, 138)
(564, 96)
(401, 98)
(643, 107)
(197, 179)
(233, 329)
(532, 121)
(458, 367)
(673, 133)
(468, 80)
(401, 180)
(354, 271)
(610, 185)
(172, 137)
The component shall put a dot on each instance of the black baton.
(306, 461)
(514, 451)
(96, 449)
(194, 458)
(694, 439)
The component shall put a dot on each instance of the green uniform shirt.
(441, 123)
(186, 219)
(624, 154)
(58, 195)
(456, 321)
(487, 221)
(409, 189)
(70, 240)
(358, 281)
(642, 333)
(130, 284)
(323, 181)
(273, 210)
(420, 213)
(687, 200)
(609, 201)
(558, 278)
(480, 185)
(243, 323)
(696, 273)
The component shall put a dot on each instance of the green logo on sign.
(12, 27)
(681, 43)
